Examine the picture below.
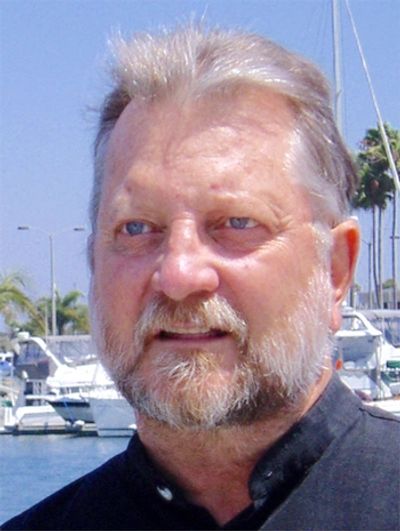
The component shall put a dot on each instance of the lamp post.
(369, 271)
(394, 267)
(50, 236)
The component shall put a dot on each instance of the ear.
(344, 253)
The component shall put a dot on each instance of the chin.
(195, 393)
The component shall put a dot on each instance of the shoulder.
(357, 478)
(375, 412)
(371, 444)
(380, 428)
(361, 471)
(366, 447)
(355, 427)
(358, 424)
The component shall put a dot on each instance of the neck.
(213, 467)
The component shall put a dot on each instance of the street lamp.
(394, 239)
(50, 236)
(369, 272)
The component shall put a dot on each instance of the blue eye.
(241, 223)
(135, 228)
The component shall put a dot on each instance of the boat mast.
(385, 140)
(337, 64)
(388, 151)
(338, 102)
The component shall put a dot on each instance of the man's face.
(210, 302)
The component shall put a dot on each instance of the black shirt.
(338, 468)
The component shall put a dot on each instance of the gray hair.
(195, 62)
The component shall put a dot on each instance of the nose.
(187, 266)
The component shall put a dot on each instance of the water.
(32, 467)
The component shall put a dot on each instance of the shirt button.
(165, 493)
(268, 474)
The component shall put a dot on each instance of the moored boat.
(72, 407)
(112, 414)
(43, 374)
(367, 363)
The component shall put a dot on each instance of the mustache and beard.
(189, 388)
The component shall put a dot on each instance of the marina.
(367, 357)
(60, 411)
(58, 386)
(84, 421)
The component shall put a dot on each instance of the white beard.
(271, 376)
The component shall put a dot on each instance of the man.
(221, 252)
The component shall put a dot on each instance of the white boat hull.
(72, 409)
(112, 414)
(40, 418)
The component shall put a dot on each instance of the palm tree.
(13, 299)
(38, 325)
(71, 315)
(375, 191)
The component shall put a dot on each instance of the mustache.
(163, 314)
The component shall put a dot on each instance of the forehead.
(243, 125)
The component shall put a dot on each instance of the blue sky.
(52, 55)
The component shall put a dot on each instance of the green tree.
(376, 190)
(72, 317)
(38, 324)
(13, 298)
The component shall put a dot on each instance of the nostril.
(179, 276)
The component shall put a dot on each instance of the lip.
(190, 335)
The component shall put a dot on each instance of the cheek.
(117, 285)
(268, 283)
